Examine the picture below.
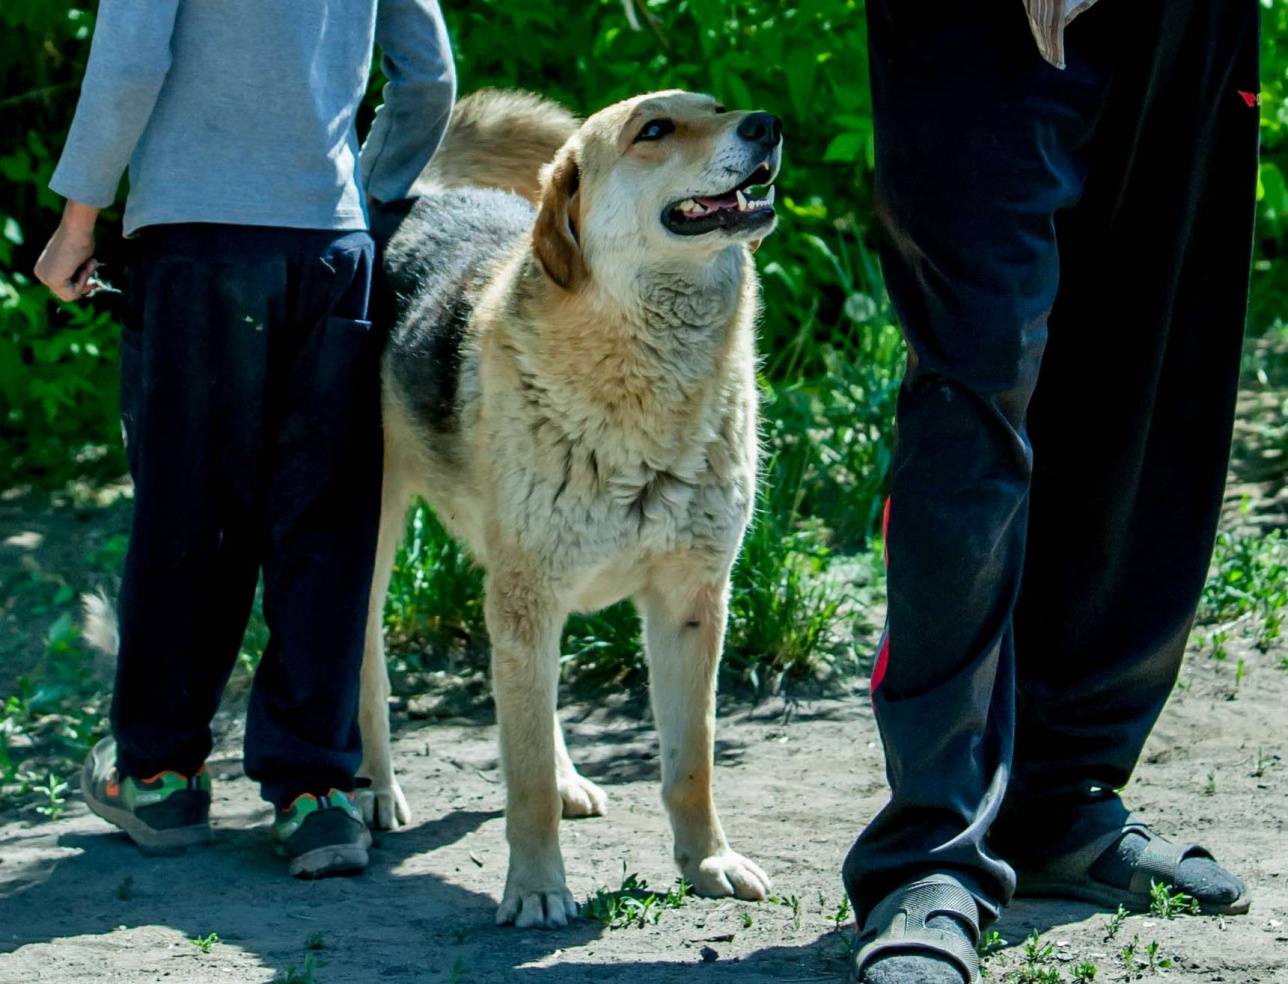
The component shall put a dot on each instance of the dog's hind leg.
(684, 611)
(383, 805)
(581, 797)
(523, 621)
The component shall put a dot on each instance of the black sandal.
(1069, 876)
(898, 925)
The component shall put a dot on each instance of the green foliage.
(634, 903)
(51, 720)
(205, 943)
(435, 594)
(300, 975)
(1249, 578)
(1167, 902)
(58, 394)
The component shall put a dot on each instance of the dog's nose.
(761, 128)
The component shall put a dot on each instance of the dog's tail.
(498, 138)
(98, 626)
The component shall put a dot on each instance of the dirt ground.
(795, 782)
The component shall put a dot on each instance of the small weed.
(792, 902)
(315, 941)
(1217, 640)
(302, 975)
(1038, 966)
(1116, 923)
(205, 943)
(633, 904)
(1037, 952)
(746, 919)
(458, 971)
(989, 945)
(1038, 975)
(1249, 577)
(55, 803)
(842, 914)
(1168, 903)
(1128, 953)
(1209, 787)
(125, 890)
(1152, 956)
(1263, 762)
(1085, 971)
(1240, 671)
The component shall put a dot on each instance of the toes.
(732, 874)
(384, 807)
(507, 910)
(537, 910)
(750, 882)
(582, 798)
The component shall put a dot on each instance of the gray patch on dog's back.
(436, 264)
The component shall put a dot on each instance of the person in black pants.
(1067, 251)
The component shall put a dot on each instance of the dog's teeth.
(688, 205)
(769, 199)
(742, 200)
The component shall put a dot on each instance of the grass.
(302, 975)
(633, 903)
(1167, 902)
(205, 943)
(1137, 960)
(791, 903)
(54, 802)
(1249, 582)
(1115, 924)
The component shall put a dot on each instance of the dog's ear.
(556, 236)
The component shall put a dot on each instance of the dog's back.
(475, 201)
(437, 264)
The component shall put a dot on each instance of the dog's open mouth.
(747, 205)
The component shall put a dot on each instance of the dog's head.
(664, 177)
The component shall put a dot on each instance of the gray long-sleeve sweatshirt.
(242, 111)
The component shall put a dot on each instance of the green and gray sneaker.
(323, 835)
(167, 812)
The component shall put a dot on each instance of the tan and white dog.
(573, 389)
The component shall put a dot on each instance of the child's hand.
(67, 264)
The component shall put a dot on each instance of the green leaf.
(845, 147)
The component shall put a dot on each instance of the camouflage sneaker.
(166, 812)
(323, 835)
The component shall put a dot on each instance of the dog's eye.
(655, 130)
(721, 109)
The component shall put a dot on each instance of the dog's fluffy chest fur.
(618, 435)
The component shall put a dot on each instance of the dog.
(570, 382)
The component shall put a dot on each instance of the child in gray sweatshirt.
(250, 392)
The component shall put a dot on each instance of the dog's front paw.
(581, 797)
(536, 896)
(383, 806)
(728, 873)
